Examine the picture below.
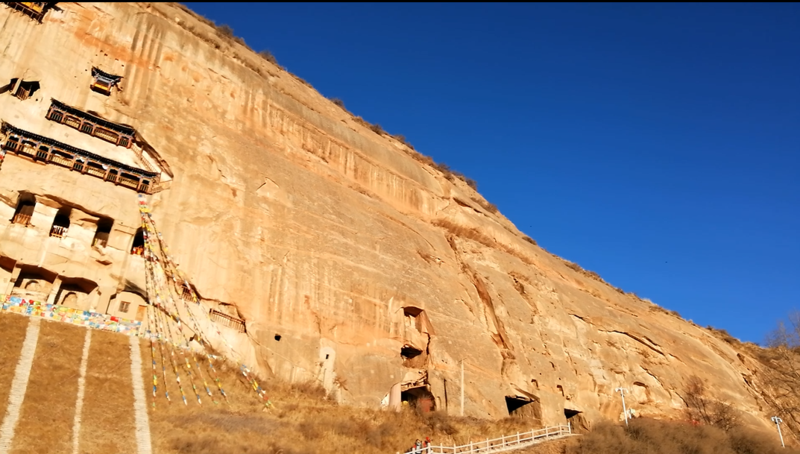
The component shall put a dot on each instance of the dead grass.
(12, 327)
(301, 421)
(45, 423)
(647, 436)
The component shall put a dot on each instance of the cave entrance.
(412, 356)
(523, 407)
(420, 399)
(26, 89)
(576, 420)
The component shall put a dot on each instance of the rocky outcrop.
(351, 260)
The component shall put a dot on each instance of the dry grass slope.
(303, 419)
(646, 436)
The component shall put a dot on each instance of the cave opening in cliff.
(412, 317)
(576, 420)
(137, 248)
(419, 399)
(103, 232)
(412, 356)
(524, 407)
(34, 283)
(26, 203)
(74, 292)
(26, 89)
(60, 223)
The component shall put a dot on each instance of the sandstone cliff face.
(338, 248)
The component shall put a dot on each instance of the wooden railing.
(502, 444)
(227, 320)
(58, 231)
(22, 219)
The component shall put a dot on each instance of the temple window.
(103, 232)
(124, 306)
(25, 205)
(104, 82)
(138, 243)
(60, 223)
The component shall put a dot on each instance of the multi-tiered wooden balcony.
(93, 125)
(49, 151)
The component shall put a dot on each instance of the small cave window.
(24, 211)
(137, 248)
(570, 413)
(60, 223)
(103, 232)
(124, 306)
(560, 389)
(535, 384)
(277, 337)
(26, 89)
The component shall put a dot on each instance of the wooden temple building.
(104, 82)
(49, 151)
(118, 134)
(36, 10)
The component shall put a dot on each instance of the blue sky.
(656, 144)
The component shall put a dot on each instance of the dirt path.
(19, 385)
(13, 327)
(108, 423)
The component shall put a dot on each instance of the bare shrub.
(782, 374)
(723, 335)
(339, 103)
(471, 183)
(529, 240)
(267, 55)
(377, 129)
(702, 409)
(225, 30)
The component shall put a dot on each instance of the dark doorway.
(103, 232)
(138, 242)
(60, 223)
(25, 206)
(576, 421)
(419, 399)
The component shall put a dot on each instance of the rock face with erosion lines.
(328, 252)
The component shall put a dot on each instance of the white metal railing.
(504, 443)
